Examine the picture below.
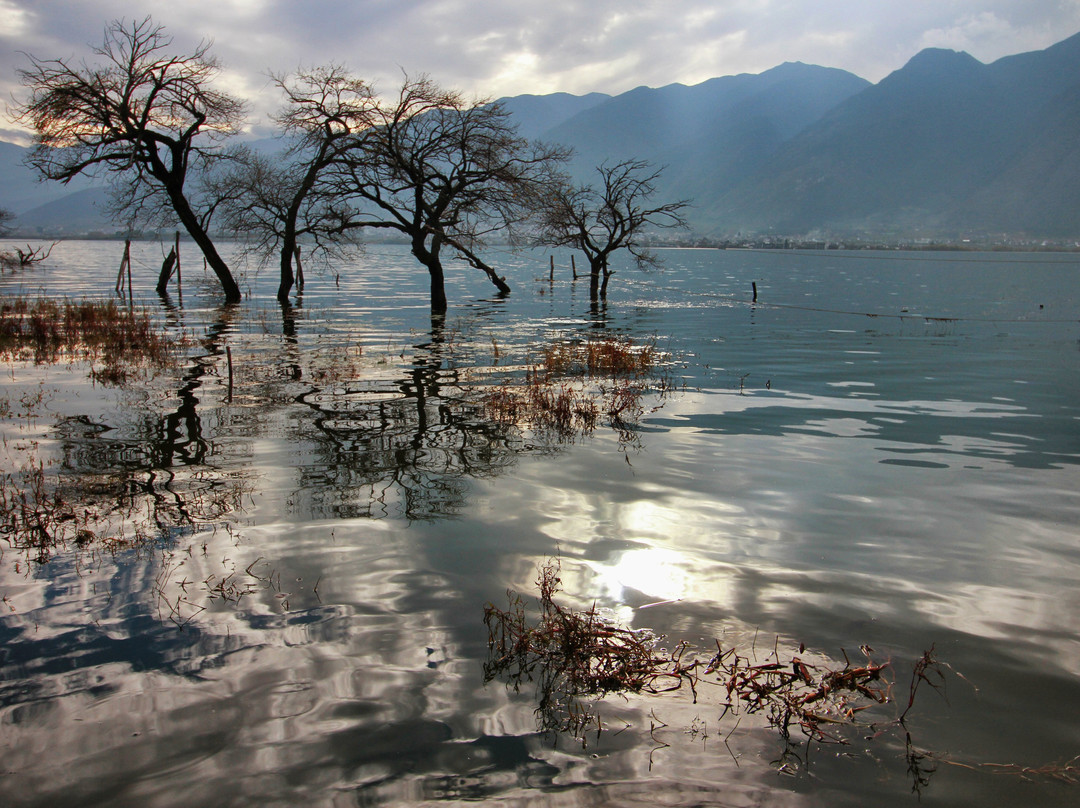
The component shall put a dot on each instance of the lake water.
(882, 451)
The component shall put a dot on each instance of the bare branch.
(276, 202)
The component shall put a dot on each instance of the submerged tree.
(143, 116)
(444, 172)
(612, 215)
(280, 199)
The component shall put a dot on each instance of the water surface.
(882, 450)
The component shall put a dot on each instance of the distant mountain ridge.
(943, 147)
(946, 144)
(653, 123)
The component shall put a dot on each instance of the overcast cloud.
(510, 47)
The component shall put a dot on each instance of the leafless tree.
(278, 200)
(6, 217)
(144, 117)
(612, 215)
(444, 172)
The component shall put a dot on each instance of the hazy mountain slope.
(693, 127)
(74, 214)
(1037, 190)
(744, 138)
(20, 189)
(536, 114)
(944, 142)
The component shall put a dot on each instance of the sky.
(496, 48)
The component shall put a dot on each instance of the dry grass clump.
(579, 653)
(610, 356)
(115, 338)
(573, 384)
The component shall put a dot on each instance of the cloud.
(495, 48)
(988, 35)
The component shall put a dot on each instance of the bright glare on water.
(883, 450)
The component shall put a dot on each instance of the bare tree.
(444, 172)
(612, 215)
(278, 200)
(147, 119)
(6, 217)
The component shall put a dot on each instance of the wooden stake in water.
(125, 264)
(573, 266)
(551, 274)
(171, 264)
(166, 272)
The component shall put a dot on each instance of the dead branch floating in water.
(19, 258)
(582, 655)
(576, 658)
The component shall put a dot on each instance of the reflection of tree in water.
(408, 445)
(131, 476)
(408, 442)
(372, 439)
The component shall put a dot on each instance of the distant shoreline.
(762, 245)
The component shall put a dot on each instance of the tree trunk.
(438, 288)
(595, 267)
(287, 278)
(429, 257)
(201, 238)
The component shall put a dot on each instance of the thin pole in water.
(179, 284)
(228, 357)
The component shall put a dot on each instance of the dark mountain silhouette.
(669, 123)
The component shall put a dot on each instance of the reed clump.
(44, 513)
(116, 339)
(599, 356)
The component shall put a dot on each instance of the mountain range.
(944, 147)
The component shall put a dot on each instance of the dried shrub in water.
(574, 656)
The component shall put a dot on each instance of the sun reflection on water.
(654, 571)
